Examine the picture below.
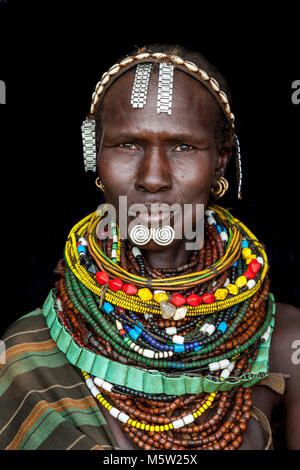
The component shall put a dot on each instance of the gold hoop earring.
(99, 184)
(223, 185)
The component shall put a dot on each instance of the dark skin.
(176, 159)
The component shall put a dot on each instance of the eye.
(183, 148)
(128, 145)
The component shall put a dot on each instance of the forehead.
(193, 107)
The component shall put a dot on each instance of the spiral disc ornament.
(140, 235)
(163, 235)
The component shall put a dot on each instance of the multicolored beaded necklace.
(171, 353)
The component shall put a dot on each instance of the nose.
(154, 173)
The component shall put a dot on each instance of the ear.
(223, 156)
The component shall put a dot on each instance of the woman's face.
(159, 158)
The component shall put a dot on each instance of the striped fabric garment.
(44, 401)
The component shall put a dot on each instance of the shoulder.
(25, 346)
(43, 398)
(285, 338)
(28, 329)
(285, 350)
(286, 334)
(285, 358)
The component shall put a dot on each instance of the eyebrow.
(178, 137)
(183, 137)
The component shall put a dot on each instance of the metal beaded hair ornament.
(143, 63)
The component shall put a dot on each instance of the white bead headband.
(88, 126)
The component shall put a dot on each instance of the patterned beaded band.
(89, 145)
(127, 63)
(153, 381)
(140, 85)
(165, 88)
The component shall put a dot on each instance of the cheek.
(194, 177)
(196, 184)
(115, 172)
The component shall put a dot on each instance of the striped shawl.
(44, 402)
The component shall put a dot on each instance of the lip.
(152, 207)
(154, 218)
(156, 213)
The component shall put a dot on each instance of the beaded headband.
(137, 100)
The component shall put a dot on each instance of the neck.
(168, 257)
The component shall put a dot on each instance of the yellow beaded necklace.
(86, 228)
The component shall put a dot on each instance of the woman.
(145, 343)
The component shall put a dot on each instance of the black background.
(51, 58)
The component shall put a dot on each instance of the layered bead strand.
(211, 326)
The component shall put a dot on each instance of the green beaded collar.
(144, 380)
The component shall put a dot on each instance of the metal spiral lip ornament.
(163, 235)
(140, 235)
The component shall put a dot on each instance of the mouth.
(155, 219)
(154, 213)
